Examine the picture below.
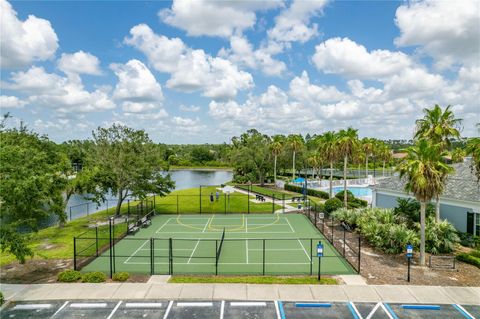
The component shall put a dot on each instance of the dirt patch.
(379, 269)
(34, 271)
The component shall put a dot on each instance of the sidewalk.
(245, 292)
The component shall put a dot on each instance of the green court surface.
(279, 244)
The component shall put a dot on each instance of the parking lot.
(171, 309)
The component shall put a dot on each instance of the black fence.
(345, 241)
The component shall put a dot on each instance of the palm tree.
(424, 169)
(328, 148)
(438, 127)
(457, 155)
(276, 147)
(384, 153)
(295, 142)
(367, 146)
(315, 160)
(473, 148)
(348, 145)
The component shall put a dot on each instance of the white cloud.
(242, 52)
(191, 108)
(293, 24)
(79, 63)
(11, 102)
(413, 81)
(345, 57)
(63, 94)
(302, 90)
(24, 42)
(163, 53)
(214, 18)
(449, 31)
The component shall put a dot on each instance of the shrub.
(469, 259)
(69, 275)
(440, 237)
(468, 240)
(93, 277)
(311, 192)
(120, 276)
(320, 208)
(350, 195)
(410, 209)
(349, 216)
(332, 205)
(2, 299)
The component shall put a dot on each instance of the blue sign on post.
(409, 251)
(320, 250)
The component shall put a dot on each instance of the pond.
(184, 178)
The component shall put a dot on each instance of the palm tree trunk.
(275, 170)
(331, 179)
(423, 205)
(366, 166)
(293, 174)
(437, 209)
(313, 172)
(345, 198)
(383, 171)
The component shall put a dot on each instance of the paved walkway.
(354, 293)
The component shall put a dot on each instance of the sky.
(198, 71)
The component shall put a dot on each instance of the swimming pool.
(357, 191)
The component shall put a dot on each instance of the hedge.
(69, 275)
(311, 192)
(94, 277)
(120, 276)
(469, 259)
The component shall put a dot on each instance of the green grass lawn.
(269, 191)
(300, 280)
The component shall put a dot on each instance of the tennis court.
(282, 244)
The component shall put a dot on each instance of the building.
(459, 203)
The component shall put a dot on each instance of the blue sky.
(204, 71)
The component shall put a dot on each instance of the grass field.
(269, 191)
(283, 244)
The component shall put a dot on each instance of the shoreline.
(209, 169)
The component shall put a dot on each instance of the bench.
(346, 226)
(133, 228)
(260, 198)
(144, 222)
(298, 199)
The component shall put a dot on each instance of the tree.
(314, 160)
(367, 145)
(295, 142)
(276, 147)
(30, 189)
(348, 145)
(473, 148)
(384, 153)
(201, 155)
(438, 127)
(251, 155)
(126, 163)
(328, 148)
(457, 155)
(423, 169)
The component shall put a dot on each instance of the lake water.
(185, 178)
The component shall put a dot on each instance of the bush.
(94, 277)
(2, 299)
(332, 205)
(69, 275)
(410, 209)
(349, 216)
(120, 276)
(468, 240)
(440, 237)
(350, 195)
(469, 259)
(311, 192)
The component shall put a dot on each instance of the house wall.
(457, 215)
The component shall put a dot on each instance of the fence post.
(216, 257)
(152, 258)
(344, 241)
(128, 203)
(200, 199)
(154, 202)
(225, 202)
(170, 255)
(359, 252)
(96, 239)
(273, 203)
(177, 204)
(70, 208)
(315, 212)
(113, 242)
(332, 228)
(74, 253)
(311, 258)
(87, 209)
(323, 225)
(110, 250)
(283, 200)
(248, 199)
(263, 262)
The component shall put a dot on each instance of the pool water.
(357, 191)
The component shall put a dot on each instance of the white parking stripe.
(194, 304)
(277, 310)
(114, 310)
(89, 305)
(222, 309)
(356, 310)
(248, 304)
(466, 312)
(168, 309)
(60, 309)
(33, 306)
(143, 305)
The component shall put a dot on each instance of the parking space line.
(143, 305)
(421, 307)
(389, 310)
(168, 309)
(60, 309)
(89, 305)
(114, 310)
(277, 311)
(353, 309)
(222, 309)
(282, 311)
(194, 304)
(33, 306)
(312, 304)
(463, 311)
(248, 304)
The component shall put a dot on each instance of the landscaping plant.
(94, 277)
(69, 275)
